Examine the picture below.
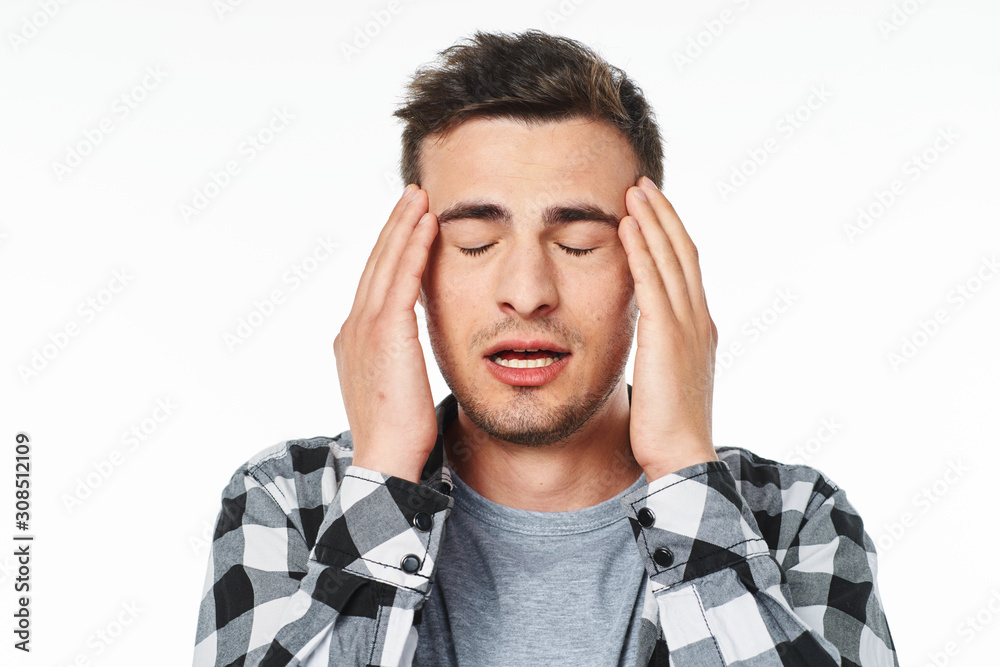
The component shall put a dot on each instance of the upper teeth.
(526, 363)
(523, 363)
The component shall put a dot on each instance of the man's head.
(531, 76)
(527, 174)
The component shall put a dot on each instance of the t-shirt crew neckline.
(532, 522)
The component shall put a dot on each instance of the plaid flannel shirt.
(748, 562)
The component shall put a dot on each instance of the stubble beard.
(523, 419)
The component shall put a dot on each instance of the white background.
(913, 443)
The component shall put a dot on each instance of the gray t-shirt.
(519, 587)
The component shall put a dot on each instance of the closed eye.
(576, 252)
(476, 251)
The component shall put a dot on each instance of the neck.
(589, 467)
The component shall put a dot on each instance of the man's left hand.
(670, 425)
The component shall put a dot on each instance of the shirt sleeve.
(272, 596)
(723, 596)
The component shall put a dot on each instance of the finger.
(650, 292)
(387, 263)
(402, 294)
(362, 291)
(671, 273)
(680, 240)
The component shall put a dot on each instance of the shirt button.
(410, 563)
(663, 557)
(423, 521)
(646, 517)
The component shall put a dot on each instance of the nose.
(526, 281)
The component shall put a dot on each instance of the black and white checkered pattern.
(770, 564)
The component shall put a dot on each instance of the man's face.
(526, 285)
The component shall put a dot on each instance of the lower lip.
(527, 377)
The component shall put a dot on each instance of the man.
(545, 512)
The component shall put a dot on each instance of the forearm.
(273, 596)
(710, 564)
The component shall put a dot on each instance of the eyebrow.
(551, 217)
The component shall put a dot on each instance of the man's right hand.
(380, 363)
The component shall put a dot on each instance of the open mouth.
(526, 358)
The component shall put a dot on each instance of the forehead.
(509, 157)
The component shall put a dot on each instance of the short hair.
(531, 77)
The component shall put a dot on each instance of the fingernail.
(648, 182)
(416, 191)
(640, 194)
(633, 222)
(406, 190)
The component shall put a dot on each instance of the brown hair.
(531, 77)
